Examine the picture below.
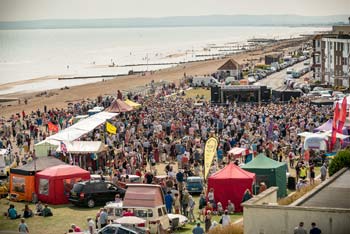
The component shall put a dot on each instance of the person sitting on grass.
(230, 207)
(75, 228)
(12, 213)
(220, 209)
(27, 212)
(47, 211)
(38, 208)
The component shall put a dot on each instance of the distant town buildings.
(331, 57)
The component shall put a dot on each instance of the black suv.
(90, 193)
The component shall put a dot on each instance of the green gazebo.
(269, 171)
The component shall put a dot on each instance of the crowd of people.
(171, 130)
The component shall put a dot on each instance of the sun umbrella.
(130, 220)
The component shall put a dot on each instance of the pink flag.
(334, 125)
(342, 116)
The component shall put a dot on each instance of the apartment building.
(331, 57)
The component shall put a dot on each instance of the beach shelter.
(118, 106)
(230, 183)
(22, 178)
(269, 171)
(134, 105)
(53, 184)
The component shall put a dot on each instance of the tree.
(341, 160)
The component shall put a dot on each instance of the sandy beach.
(60, 98)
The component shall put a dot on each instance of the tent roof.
(239, 151)
(41, 164)
(327, 126)
(118, 106)
(232, 171)
(132, 104)
(62, 170)
(262, 162)
(83, 147)
(230, 64)
(82, 127)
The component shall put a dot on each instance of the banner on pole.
(209, 152)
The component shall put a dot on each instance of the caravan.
(204, 81)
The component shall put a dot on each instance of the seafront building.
(331, 57)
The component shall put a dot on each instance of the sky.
(14, 10)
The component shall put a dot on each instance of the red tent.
(54, 183)
(118, 106)
(230, 183)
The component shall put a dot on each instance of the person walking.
(91, 225)
(103, 218)
(323, 171)
(314, 229)
(23, 228)
(300, 229)
(169, 202)
(207, 221)
(191, 205)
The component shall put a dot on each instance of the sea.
(33, 60)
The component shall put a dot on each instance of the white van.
(144, 201)
(230, 79)
(204, 81)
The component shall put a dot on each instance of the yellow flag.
(210, 150)
(111, 128)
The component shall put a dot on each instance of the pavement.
(334, 195)
(276, 80)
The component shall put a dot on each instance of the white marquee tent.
(82, 127)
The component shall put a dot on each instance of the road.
(276, 80)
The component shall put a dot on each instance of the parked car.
(97, 177)
(89, 193)
(119, 229)
(194, 184)
(289, 70)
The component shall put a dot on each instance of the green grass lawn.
(198, 91)
(59, 223)
(65, 215)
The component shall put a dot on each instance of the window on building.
(330, 59)
(18, 184)
(318, 43)
(317, 59)
(330, 45)
(44, 186)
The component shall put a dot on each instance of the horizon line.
(174, 16)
